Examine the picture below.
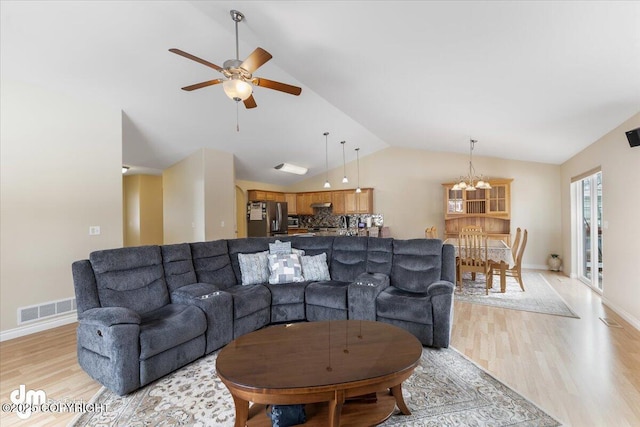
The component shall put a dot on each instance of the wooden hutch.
(489, 209)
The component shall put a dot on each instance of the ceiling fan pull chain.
(237, 117)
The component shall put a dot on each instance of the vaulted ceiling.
(535, 81)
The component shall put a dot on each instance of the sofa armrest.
(440, 287)
(441, 293)
(218, 309)
(362, 294)
(109, 316)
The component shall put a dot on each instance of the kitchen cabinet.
(303, 204)
(265, 195)
(489, 209)
(321, 197)
(337, 202)
(359, 203)
(292, 204)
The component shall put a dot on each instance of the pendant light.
(326, 156)
(472, 181)
(358, 190)
(345, 180)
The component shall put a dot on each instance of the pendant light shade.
(358, 189)
(345, 180)
(326, 157)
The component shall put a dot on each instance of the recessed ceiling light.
(287, 167)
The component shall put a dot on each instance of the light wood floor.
(580, 371)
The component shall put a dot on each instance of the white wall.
(620, 165)
(199, 198)
(408, 192)
(61, 161)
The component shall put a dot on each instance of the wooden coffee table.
(322, 365)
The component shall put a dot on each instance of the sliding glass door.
(589, 230)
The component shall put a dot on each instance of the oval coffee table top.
(316, 354)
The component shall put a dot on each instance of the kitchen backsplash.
(324, 217)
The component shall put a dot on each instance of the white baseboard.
(535, 266)
(39, 326)
(622, 313)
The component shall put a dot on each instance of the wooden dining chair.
(431, 233)
(516, 242)
(472, 255)
(516, 270)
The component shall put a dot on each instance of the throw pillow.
(279, 247)
(285, 268)
(299, 252)
(254, 268)
(315, 267)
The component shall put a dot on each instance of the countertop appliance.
(293, 222)
(266, 218)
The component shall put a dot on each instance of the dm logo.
(26, 400)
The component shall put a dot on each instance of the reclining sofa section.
(146, 311)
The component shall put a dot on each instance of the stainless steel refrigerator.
(266, 218)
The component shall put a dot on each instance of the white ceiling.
(535, 81)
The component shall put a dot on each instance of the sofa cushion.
(287, 293)
(284, 268)
(279, 247)
(348, 258)
(394, 303)
(330, 293)
(416, 264)
(379, 255)
(131, 278)
(314, 245)
(315, 267)
(212, 263)
(178, 265)
(168, 327)
(254, 268)
(249, 299)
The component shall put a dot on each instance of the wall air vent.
(45, 310)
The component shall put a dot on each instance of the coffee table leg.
(335, 408)
(242, 411)
(396, 391)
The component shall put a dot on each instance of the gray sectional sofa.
(146, 311)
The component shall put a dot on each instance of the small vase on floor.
(554, 262)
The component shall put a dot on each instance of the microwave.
(293, 222)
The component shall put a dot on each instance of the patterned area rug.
(446, 389)
(538, 297)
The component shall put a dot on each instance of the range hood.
(321, 205)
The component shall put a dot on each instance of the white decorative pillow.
(299, 252)
(254, 268)
(315, 267)
(279, 247)
(285, 268)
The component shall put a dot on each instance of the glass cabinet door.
(455, 204)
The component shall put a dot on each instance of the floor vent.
(610, 322)
(44, 310)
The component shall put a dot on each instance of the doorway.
(588, 191)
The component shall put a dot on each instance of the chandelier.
(472, 181)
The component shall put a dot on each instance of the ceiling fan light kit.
(239, 80)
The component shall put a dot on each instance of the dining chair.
(431, 233)
(516, 242)
(472, 255)
(516, 270)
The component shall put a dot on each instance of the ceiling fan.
(239, 80)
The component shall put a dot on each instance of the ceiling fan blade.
(203, 84)
(282, 87)
(257, 58)
(195, 58)
(250, 102)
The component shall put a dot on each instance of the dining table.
(498, 253)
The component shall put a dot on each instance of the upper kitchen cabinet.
(303, 204)
(490, 209)
(276, 196)
(337, 202)
(359, 203)
(292, 203)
